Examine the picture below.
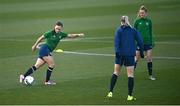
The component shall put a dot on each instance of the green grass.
(83, 79)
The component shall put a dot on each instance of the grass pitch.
(84, 79)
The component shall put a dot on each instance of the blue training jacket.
(126, 39)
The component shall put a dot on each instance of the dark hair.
(59, 23)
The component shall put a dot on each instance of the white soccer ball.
(29, 80)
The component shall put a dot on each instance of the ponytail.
(125, 21)
(142, 8)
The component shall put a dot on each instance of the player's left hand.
(33, 48)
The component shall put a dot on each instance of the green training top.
(53, 38)
(144, 26)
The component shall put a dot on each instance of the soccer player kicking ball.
(125, 49)
(52, 38)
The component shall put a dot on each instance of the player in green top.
(144, 25)
(52, 38)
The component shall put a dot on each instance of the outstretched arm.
(37, 42)
(75, 35)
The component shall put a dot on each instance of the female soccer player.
(144, 25)
(52, 38)
(125, 49)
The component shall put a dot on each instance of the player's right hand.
(142, 54)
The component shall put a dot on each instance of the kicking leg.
(37, 65)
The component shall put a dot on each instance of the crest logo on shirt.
(60, 37)
(147, 23)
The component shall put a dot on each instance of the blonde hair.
(142, 8)
(125, 20)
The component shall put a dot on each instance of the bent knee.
(51, 65)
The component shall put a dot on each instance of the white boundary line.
(112, 55)
(99, 39)
(89, 54)
(93, 39)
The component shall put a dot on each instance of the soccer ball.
(29, 80)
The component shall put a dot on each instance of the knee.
(117, 69)
(130, 75)
(149, 59)
(130, 71)
(116, 72)
(37, 66)
(51, 65)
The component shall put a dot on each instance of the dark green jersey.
(144, 26)
(53, 38)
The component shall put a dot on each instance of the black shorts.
(146, 47)
(125, 60)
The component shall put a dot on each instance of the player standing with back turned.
(125, 51)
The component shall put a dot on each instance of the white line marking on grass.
(112, 55)
(111, 40)
(168, 58)
(168, 42)
(89, 54)
(104, 39)
(88, 38)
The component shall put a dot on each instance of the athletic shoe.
(21, 78)
(50, 83)
(110, 94)
(130, 98)
(152, 78)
